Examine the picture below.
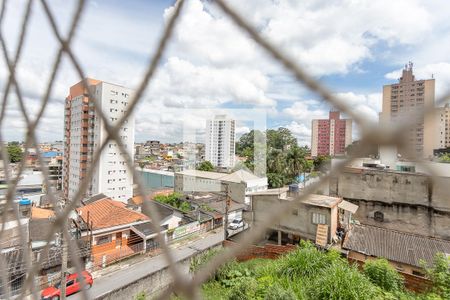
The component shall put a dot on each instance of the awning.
(345, 205)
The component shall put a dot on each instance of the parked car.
(235, 224)
(73, 285)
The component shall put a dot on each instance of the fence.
(371, 135)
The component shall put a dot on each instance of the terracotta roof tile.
(106, 213)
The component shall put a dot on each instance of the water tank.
(293, 188)
(25, 201)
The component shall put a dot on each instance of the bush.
(244, 290)
(381, 273)
(439, 274)
(340, 281)
(277, 292)
(307, 261)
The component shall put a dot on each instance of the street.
(131, 273)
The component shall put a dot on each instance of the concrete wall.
(153, 283)
(409, 202)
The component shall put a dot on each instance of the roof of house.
(163, 210)
(348, 206)
(322, 200)
(106, 213)
(39, 229)
(41, 213)
(275, 191)
(394, 245)
(237, 176)
(94, 198)
(220, 206)
(146, 229)
(137, 200)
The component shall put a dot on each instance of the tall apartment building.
(220, 141)
(401, 101)
(330, 136)
(442, 123)
(84, 132)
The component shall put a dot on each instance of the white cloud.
(301, 132)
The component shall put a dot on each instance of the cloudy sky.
(211, 67)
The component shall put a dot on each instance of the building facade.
(330, 136)
(220, 141)
(401, 101)
(84, 133)
(442, 123)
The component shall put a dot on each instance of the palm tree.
(295, 161)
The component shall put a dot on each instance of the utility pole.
(227, 204)
(64, 261)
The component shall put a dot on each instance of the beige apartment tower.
(84, 132)
(401, 102)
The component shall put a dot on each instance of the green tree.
(205, 166)
(296, 161)
(381, 273)
(14, 152)
(439, 274)
(322, 162)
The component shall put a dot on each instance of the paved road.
(124, 277)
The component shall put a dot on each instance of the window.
(378, 216)
(318, 218)
(103, 239)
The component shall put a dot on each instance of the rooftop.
(394, 245)
(237, 177)
(41, 213)
(106, 213)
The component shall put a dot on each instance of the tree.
(206, 166)
(14, 152)
(381, 273)
(296, 161)
(439, 274)
(284, 158)
(321, 162)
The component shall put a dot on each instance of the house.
(12, 255)
(319, 218)
(397, 200)
(238, 184)
(113, 232)
(403, 250)
(50, 270)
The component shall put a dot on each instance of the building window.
(318, 218)
(103, 239)
(378, 216)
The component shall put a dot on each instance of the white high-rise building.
(220, 141)
(85, 132)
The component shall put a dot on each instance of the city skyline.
(364, 60)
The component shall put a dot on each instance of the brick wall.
(267, 251)
(412, 282)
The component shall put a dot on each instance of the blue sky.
(210, 67)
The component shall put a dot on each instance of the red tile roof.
(106, 213)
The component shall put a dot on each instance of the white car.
(235, 224)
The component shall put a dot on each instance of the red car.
(73, 285)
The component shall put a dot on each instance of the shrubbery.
(308, 273)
